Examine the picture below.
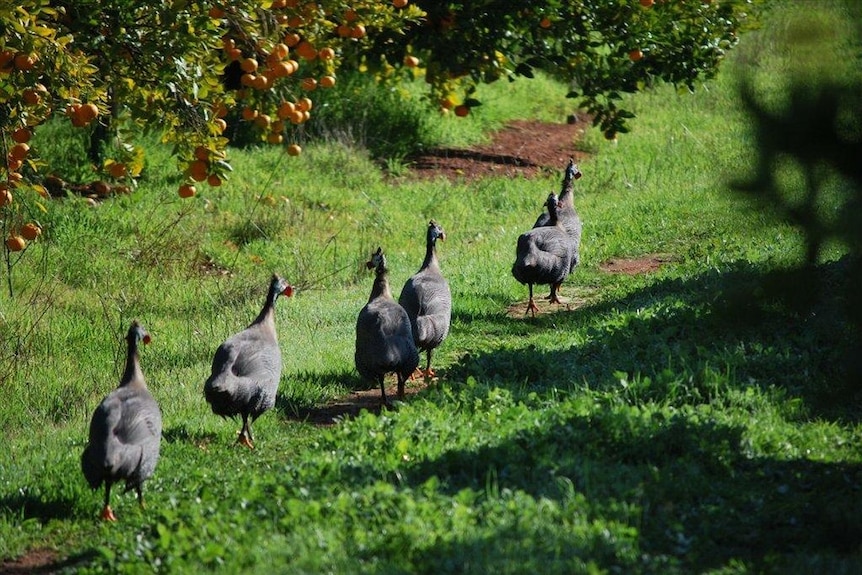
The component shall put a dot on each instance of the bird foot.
(244, 440)
(429, 374)
(108, 514)
(532, 308)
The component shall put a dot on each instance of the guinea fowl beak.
(578, 173)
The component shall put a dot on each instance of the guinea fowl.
(427, 300)
(125, 431)
(567, 214)
(543, 256)
(384, 339)
(246, 368)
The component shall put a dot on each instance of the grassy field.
(672, 423)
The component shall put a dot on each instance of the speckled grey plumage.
(246, 368)
(567, 214)
(125, 430)
(427, 299)
(543, 255)
(384, 338)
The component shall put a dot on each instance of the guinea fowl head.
(377, 262)
(572, 171)
(435, 232)
(280, 286)
(137, 334)
(553, 204)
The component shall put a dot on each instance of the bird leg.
(140, 492)
(108, 513)
(245, 434)
(383, 391)
(428, 373)
(531, 305)
(401, 387)
(554, 297)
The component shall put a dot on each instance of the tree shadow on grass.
(680, 490)
(714, 322)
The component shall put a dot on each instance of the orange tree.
(600, 48)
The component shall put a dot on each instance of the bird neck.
(267, 313)
(430, 255)
(381, 286)
(132, 375)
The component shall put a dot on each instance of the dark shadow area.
(182, 434)
(44, 561)
(730, 320)
(36, 506)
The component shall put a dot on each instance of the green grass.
(678, 422)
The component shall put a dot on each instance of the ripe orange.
(285, 110)
(13, 165)
(304, 104)
(19, 151)
(294, 150)
(118, 170)
(31, 231)
(220, 124)
(214, 180)
(281, 69)
(201, 153)
(343, 30)
(635, 55)
(5, 196)
(280, 51)
(15, 243)
(24, 61)
(291, 39)
(308, 84)
(87, 113)
(31, 97)
(198, 170)
(351, 15)
(228, 43)
(327, 82)
(357, 31)
(461, 110)
(22, 135)
(545, 22)
(399, 3)
(249, 114)
(411, 61)
(6, 57)
(216, 13)
(306, 50)
(187, 191)
(275, 138)
(326, 53)
(233, 54)
(248, 65)
(647, 3)
(262, 121)
(261, 82)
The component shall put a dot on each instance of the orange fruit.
(294, 150)
(5, 197)
(220, 124)
(285, 110)
(344, 30)
(248, 65)
(214, 180)
(6, 58)
(247, 79)
(233, 54)
(249, 114)
(216, 13)
(647, 3)
(461, 110)
(326, 53)
(88, 112)
(118, 170)
(291, 39)
(304, 104)
(201, 153)
(399, 3)
(261, 82)
(15, 243)
(280, 51)
(187, 191)
(306, 50)
(19, 151)
(25, 61)
(275, 138)
(308, 84)
(228, 43)
(13, 164)
(545, 22)
(31, 231)
(262, 121)
(31, 97)
(198, 170)
(635, 55)
(358, 31)
(411, 61)
(327, 82)
(281, 69)
(351, 15)
(22, 135)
